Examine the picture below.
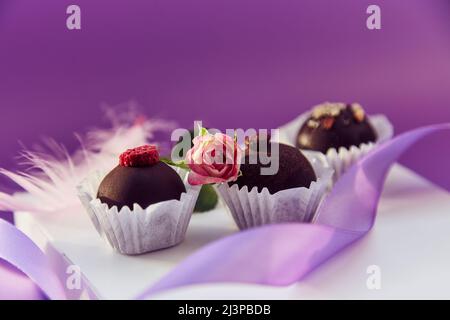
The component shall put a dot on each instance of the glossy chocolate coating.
(294, 171)
(125, 186)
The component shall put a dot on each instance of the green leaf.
(207, 199)
(203, 132)
(180, 164)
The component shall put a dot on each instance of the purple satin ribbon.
(275, 255)
(21, 252)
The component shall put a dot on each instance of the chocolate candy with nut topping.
(335, 125)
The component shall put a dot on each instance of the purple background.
(231, 63)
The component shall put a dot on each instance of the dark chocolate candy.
(335, 125)
(125, 186)
(294, 171)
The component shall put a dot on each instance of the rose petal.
(196, 179)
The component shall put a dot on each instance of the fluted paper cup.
(138, 230)
(250, 208)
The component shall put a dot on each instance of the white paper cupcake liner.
(340, 160)
(250, 208)
(137, 230)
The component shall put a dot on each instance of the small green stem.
(180, 164)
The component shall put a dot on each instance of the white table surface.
(410, 243)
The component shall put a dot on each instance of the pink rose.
(213, 159)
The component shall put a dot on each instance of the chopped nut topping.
(358, 112)
(327, 109)
(327, 123)
(313, 124)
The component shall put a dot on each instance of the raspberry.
(143, 156)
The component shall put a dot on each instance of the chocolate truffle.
(335, 125)
(294, 170)
(140, 178)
